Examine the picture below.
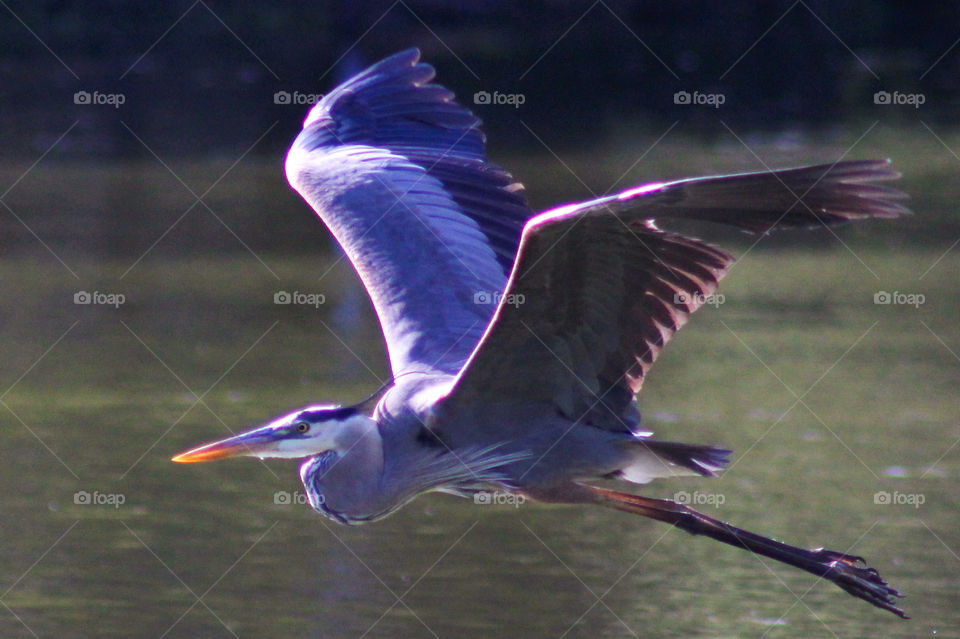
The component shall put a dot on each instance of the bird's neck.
(347, 486)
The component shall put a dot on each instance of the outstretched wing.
(598, 289)
(396, 170)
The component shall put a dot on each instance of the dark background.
(198, 81)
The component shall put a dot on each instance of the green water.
(99, 399)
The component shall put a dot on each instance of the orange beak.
(254, 443)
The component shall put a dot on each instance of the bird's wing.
(396, 170)
(597, 289)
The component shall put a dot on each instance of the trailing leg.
(847, 571)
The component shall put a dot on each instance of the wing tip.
(402, 61)
(386, 70)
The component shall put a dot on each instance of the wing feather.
(396, 169)
(604, 289)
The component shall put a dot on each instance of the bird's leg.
(847, 571)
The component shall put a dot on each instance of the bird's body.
(525, 450)
(517, 341)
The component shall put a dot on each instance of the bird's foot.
(851, 573)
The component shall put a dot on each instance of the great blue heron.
(518, 342)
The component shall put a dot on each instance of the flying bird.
(519, 341)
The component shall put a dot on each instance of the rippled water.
(99, 399)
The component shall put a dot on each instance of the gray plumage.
(518, 342)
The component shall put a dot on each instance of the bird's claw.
(862, 582)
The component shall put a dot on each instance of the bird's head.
(303, 433)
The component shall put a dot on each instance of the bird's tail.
(653, 459)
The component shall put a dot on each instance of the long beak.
(254, 443)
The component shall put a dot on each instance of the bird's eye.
(302, 427)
